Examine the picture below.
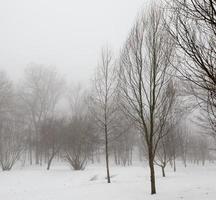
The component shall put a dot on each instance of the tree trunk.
(185, 163)
(174, 163)
(107, 155)
(163, 171)
(30, 148)
(115, 156)
(30, 155)
(152, 174)
(131, 156)
(37, 147)
(36, 155)
(50, 161)
(92, 156)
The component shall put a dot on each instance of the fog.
(67, 34)
(118, 92)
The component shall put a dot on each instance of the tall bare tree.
(145, 72)
(12, 137)
(104, 100)
(81, 139)
(41, 91)
(192, 24)
(12, 125)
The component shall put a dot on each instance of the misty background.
(105, 91)
(65, 34)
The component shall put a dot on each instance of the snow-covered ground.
(128, 183)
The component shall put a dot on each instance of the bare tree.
(6, 92)
(184, 138)
(203, 149)
(167, 145)
(78, 142)
(12, 125)
(124, 142)
(12, 137)
(40, 92)
(192, 24)
(163, 156)
(165, 149)
(51, 137)
(103, 103)
(174, 147)
(76, 98)
(145, 71)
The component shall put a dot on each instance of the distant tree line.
(139, 101)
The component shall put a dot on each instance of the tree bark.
(174, 163)
(50, 161)
(163, 171)
(152, 174)
(107, 155)
(37, 154)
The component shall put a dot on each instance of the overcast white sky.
(65, 33)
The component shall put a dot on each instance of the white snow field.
(128, 183)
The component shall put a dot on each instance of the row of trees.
(76, 137)
(163, 46)
(41, 119)
(135, 99)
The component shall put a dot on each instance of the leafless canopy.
(145, 73)
(192, 24)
